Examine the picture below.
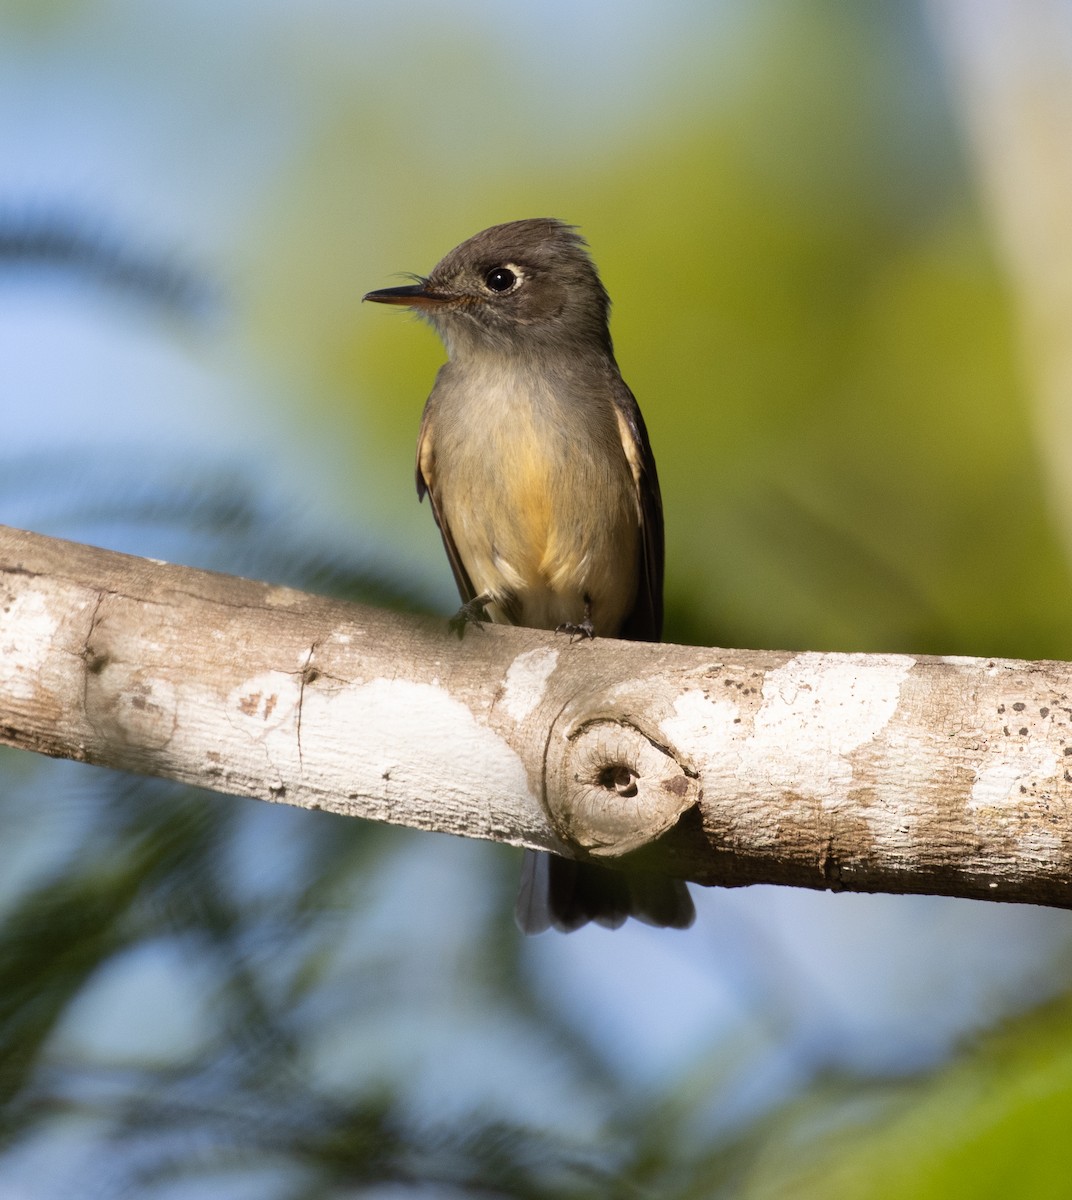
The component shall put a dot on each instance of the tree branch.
(866, 772)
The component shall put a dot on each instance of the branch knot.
(610, 788)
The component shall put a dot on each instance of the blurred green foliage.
(991, 1125)
(806, 304)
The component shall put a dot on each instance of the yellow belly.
(551, 532)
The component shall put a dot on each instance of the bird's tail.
(565, 894)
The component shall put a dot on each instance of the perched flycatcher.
(542, 482)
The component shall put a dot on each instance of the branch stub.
(610, 789)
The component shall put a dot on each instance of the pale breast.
(539, 498)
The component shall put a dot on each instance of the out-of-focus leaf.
(990, 1125)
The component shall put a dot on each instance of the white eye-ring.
(503, 279)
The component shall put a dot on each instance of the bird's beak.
(414, 295)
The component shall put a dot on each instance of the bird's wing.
(645, 622)
(426, 483)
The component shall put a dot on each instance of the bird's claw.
(581, 630)
(471, 613)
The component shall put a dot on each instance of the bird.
(536, 460)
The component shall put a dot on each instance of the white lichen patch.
(265, 703)
(816, 710)
(701, 727)
(414, 739)
(27, 630)
(526, 682)
(1006, 768)
(1041, 846)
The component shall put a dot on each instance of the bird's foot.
(470, 613)
(581, 630)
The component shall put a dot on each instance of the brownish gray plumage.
(537, 463)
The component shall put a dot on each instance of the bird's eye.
(501, 279)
